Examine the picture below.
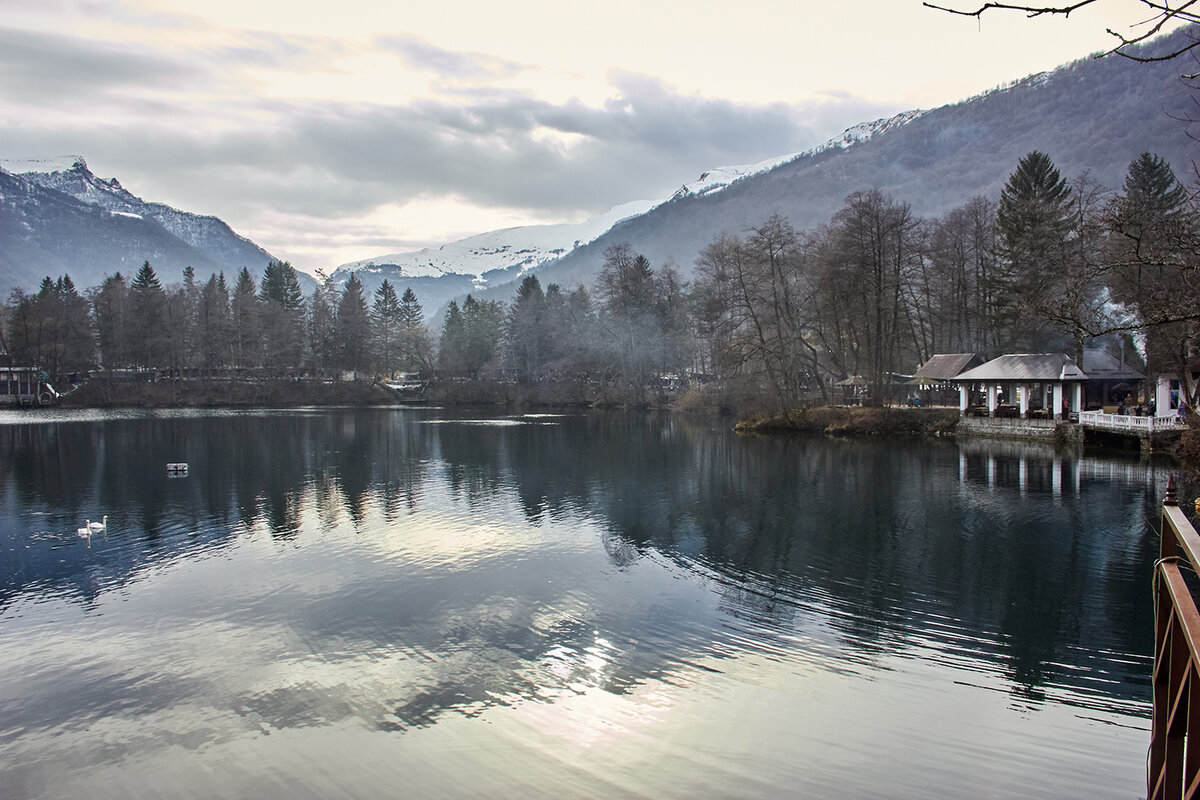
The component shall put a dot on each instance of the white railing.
(1128, 422)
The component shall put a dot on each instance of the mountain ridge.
(104, 230)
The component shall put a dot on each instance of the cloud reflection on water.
(360, 570)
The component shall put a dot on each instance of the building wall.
(1043, 429)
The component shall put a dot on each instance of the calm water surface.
(423, 603)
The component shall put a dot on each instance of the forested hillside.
(1091, 116)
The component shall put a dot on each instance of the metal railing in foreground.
(1174, 762)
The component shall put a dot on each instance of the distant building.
(934, 381)
(25, 386)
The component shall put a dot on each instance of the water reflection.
(397, 569)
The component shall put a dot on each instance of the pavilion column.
(1077, 397)
(963, 394)
(991, 399)
(1162, 397)
(1058, 400)
(1024, 391)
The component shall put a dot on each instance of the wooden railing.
(1174, 763)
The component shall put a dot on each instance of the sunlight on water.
(356, 603)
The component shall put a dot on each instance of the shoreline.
(834, 421)
(854, 421)
(210, 393)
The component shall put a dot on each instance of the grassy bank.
(847, 421)
(100, 393)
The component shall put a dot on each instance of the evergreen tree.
(1153, 255)
(51, 329)
(183, 331)
(413, 344)
(353, 326)
(244, 341)
(450, 345)
(1033, 219)
(148, 319)
(77, 337)
(528, 335)
(214, 324)
(281, 310)
(280, 284)
(385, 327)
(469, 343)
(321, 328)
(411, 313)
(110, 305)
(1151, 216)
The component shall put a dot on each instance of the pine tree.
(148, 319)
(385, 322)
(1033, 220)
(1151, 215)
(321, 328)
(413, 343)
(353, 326)
(281, 308)
(1153, 256)
(110, 306)
(244, 342)
(452, 341)
(77, 337)
(214, 324)
(527, 334)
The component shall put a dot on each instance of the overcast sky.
(332, 131)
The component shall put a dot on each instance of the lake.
(389, 602)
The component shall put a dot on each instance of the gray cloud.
(421, 55)
(493, 147)
(49, 67)
(264, 49)
(349, 158)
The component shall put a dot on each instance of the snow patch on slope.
(714, 180)
(521, 248)
(21, 166)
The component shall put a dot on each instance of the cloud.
(46, 67)
(197, 128)
(421, 55)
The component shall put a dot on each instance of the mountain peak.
(63, 217)
(47, 166)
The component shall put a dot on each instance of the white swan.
(97, 526)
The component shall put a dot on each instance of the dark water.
(417, 603)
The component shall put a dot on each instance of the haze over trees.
(774, 319)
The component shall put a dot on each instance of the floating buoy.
(177, 468)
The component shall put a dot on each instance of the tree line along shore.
(767, 324)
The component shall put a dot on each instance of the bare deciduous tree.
(1162, 14)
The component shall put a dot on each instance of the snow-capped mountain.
(57, 217)
(714, 180)
(499, 256)
(503, 250)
